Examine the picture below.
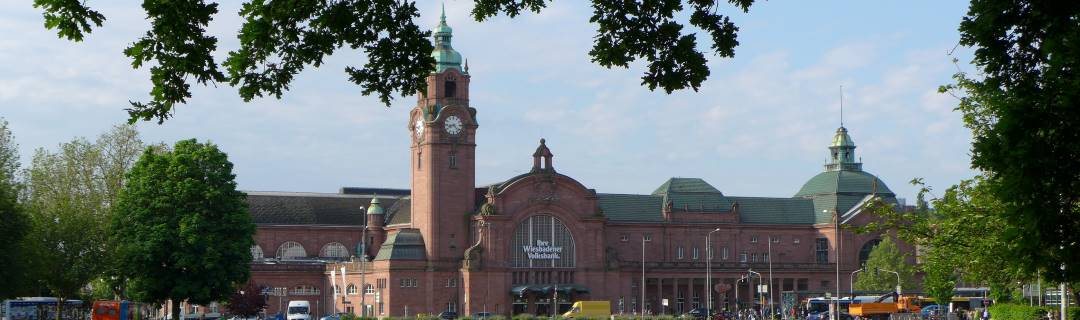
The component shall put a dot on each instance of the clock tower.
(443, 130)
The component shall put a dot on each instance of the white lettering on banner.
(543, 250)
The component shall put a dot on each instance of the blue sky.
(758, 127)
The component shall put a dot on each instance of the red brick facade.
(470, 263)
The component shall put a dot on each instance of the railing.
(727, 266)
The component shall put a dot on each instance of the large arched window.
(334, 250)
(542, 241)
(351, 289)
(291, 250)
(864, 253)
(256, 253)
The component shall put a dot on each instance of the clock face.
(419, 127)
(453, 125)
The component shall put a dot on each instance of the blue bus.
(40, 308)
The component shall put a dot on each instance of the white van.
(299, 310)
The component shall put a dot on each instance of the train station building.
(541, 240)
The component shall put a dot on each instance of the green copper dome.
(843, 181)
(842, 139)
(374, 207)
(445, 55)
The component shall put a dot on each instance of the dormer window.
(450, 89)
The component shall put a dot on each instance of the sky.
(759, 126)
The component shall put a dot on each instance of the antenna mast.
(841, 106)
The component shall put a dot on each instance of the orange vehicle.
(116, 310)
(882, 310)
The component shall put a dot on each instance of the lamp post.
(836, 234)
(897, 280)
(770, 257)
(642, 276)
(752, 272)
(851, 284)
(737, 293)
(708, 269)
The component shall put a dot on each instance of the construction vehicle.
(880, 309)
(589, 310)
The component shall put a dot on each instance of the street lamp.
(851, 283)
(708, 269)
(642, 276)
(751, 271)
(897, 279)
(737, 293)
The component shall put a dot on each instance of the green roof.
(844, 181)
(694, 185)
(759, 210)
(631, 207)
(406, 244)
(445, 55)
(842, 139)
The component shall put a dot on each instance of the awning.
(548, 289)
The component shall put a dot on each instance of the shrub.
(1074, 313)
(1008, 311)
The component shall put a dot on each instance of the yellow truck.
(589, 310)
(879, 309)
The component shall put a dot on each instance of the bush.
(524, 316)
(1008, 311)
(1074, 313)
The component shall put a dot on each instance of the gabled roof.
(631, 207)
(406, 244)
(310, 208)
(301, 208)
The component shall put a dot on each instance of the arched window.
(256, 253)
(369, 289)
(291, 250)
(542, 241)
(351, 289)
(864, 253)
(337, 290)
(334, 250)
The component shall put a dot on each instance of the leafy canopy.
(279, 39)
(181, 229)
(14, 222)
(885, 256)
(1023, 111)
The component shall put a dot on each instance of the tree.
(14, 222)
(281, 38)
(884, 256)
(962, 238)
(69, 196)
(1023, 111)
(180, 228)
(247, 302)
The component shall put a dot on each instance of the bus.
(119, 310)
(40, 308)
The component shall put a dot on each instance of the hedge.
(1007, 311)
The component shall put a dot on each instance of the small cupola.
(542, 151)
(375, 207)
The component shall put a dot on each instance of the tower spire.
(442, 18)
(841, 106)
(445, 55)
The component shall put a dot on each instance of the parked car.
(482, 315)
(448, 315)
(932, 310)
(698, 313)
